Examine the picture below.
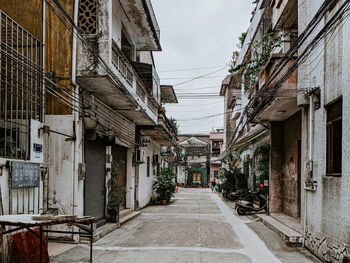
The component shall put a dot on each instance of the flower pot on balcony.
(163, 202)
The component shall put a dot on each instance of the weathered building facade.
(86, 96)
(302, 115)
(325, 132)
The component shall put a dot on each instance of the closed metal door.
(95, 189)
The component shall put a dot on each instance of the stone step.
(289, 235)
(125, 216)
(129, 217)
(125, 212)
(100, 232)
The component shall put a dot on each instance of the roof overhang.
(248, 137)
(168, 94)
(144, 25)
(280, 109)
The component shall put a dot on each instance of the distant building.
(216, 149)
(196, 149)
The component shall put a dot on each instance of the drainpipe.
(47, 157)
(75, 94)
(311, 126)
(44, 53)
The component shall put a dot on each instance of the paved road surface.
(197, 227)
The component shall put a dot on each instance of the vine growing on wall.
(261, 51)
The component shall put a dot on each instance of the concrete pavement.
(196, 227)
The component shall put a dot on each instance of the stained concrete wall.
(290, 176)
(66, 192)
(327, 219)
(130, 179)
(284, 180)
(276, 162)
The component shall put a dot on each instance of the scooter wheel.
(241, 211)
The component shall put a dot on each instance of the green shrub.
(164, 184)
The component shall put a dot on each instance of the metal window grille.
(21, 91)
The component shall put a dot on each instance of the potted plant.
(116, 194)
(164, 185)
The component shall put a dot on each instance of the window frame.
(148, 166)
(330, 124)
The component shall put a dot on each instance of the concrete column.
(130, 180)
(276, 161)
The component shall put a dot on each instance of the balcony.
(119, 86)
(280, 104)
(285, 15)
(110, 72)
(163, 133)
(141, 21)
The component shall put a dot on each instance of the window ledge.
(330, 176)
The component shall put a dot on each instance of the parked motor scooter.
(247, 206)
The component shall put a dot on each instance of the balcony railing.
(140, 91)
(121, 63)
(152, 105)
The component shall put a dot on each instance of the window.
(216, 174)
(21, 94)
(148, 166)
(334, 138)
(216, 148)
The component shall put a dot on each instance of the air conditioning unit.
(156, 159)
(138, 156)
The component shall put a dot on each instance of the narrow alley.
(174, 131)
(196, 227)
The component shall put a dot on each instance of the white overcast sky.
(197, 34)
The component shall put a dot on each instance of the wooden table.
(26, 221)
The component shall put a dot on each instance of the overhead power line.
(188, 69)
(191, 78)
(199, 77)
(341, 14)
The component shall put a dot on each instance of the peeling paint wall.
(66, 192)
